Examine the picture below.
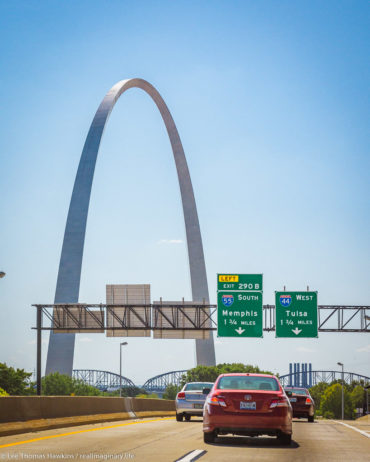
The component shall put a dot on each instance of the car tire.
(284, 438)
(311, 418)
(209, 437)
(179, 417)
(187, 417)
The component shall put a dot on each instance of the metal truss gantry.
(103, 380)
(81, 317)
(91, 318)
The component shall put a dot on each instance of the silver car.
(190, 400)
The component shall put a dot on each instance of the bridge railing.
(301, 379)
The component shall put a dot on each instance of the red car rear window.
(242, 382)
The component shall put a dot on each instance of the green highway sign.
(239, 305)
(296, 314)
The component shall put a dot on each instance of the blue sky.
(271, 100)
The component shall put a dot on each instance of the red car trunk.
(248, 402)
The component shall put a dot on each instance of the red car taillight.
(181, 395)
(279, 402)
(216, 400)
(308, 401)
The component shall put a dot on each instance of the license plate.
(293, 400)
(198, 406)
(250, 406)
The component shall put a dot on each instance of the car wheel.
(187, 417)
(311, 418)
(284, 438)
(209, 437)
(179, 417)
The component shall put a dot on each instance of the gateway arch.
(61, 346)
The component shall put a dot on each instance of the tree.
(60, 385)
(3, 392)
(317, 391)
(171, 391)
(210, 373)
(57, 384)
(127, 391)
(358, 396)
(15, 381)
(331, 402)
(80, 388)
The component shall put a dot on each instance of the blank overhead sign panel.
(128, 316)
(171, 319)
(68, 319)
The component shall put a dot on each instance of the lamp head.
(124, 343)
(2, 274)
(340, 364)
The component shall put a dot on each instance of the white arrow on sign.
(296, 331)
(240, 330)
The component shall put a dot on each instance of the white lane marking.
(193, 455)
(353, 428)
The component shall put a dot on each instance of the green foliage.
(354, 397)
(328, 415)
(57, 384)
(331, 401)
(61, 385)
(171, 391)
(144, 396)
(210, 373)
(131, 392)
(3, 392)
(15, 381)
(358, 396)
(80, 388)
(317, 391)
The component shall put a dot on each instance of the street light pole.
(120, 367)
(341, 364)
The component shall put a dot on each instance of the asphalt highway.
(167, 440)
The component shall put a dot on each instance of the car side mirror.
(206, 391)
(289, 392)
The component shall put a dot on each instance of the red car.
(249, 405)
(302, 403)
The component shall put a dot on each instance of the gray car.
(190, 400)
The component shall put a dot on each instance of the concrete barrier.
(19, 414)
(19, 408)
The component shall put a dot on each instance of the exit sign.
(239, 305)
(239, 282)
